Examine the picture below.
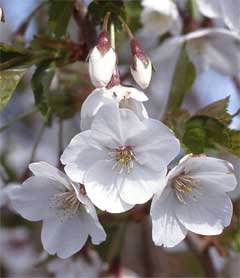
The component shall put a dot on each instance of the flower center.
(124, 157)
(66, 203)
(186, 187)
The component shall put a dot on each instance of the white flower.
(68, 215)
(194, 200)
(127, 97)
(121, 161)
(159, 17)
(77, 267)
(4, 190)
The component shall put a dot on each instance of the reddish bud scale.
(115, 79)
(137, 52)
(103, 44)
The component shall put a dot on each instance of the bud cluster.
(103, 70)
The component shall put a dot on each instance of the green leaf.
(217, 110)
(182, 82)
(203, 133)
(59, 16)
(9, 80)
(11, 56)
(41, 82)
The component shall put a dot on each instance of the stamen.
(124, 157)
(66, 203)
(186, 187)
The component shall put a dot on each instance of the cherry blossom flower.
(121, 160)
(68, 215)
(122, 96)
(194, 200)
(159, 17)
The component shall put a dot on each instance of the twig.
(203, 256)
(18, 118)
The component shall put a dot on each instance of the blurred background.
(25, 138)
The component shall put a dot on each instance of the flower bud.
(1, 15)
(141, 68)
(102, 59)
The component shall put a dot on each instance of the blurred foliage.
(183, 79)
(59, 16)
(41, 82)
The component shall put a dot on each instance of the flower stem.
(18, 118)
(112, 35)
(35, 146)
(60, 141)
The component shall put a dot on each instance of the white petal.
(136, 106)
(166, 229)
(160, 17)
(208, 215)
(141, 183)
(117, 124)
(231, 11)
(157, 146)
(210, 8)
(96, 231)
(92, 104)
(31, 199)
(43, 169)
(82, 152)
(102, 185)
(215, 47)
(215, 174)
(101, 67)
(64, 238)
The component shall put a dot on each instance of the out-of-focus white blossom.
(122, 160)
(227, 10)
(80, 266)
(159, 17)
(17, 255)
(68, 215)
(194, 199)
(122, 96)
(215, 48)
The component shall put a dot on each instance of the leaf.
(9, 80)
(217, 110)
(59, 16)
(41, 82)
(203, 133)
(11, 56)
(183, 80)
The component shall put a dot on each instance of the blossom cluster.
(120, 159)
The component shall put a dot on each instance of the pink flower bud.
(141, 68)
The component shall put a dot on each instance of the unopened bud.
(2, 15)
(141, 67)
(102, 59)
